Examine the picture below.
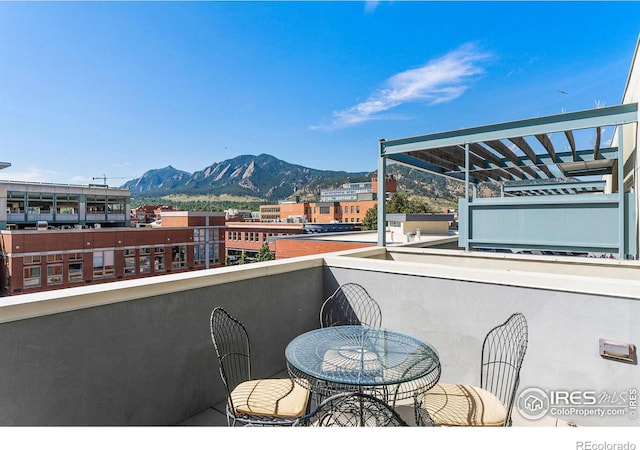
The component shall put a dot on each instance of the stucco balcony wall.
(139, 352)
(115, 356)
(451, 299)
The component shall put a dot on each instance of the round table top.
(362, 356)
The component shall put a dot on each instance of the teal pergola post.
(466, 195)
(621, 209)
(382, 191)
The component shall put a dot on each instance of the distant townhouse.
(145, 214)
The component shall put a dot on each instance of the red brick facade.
(35, 261)
(290, 248)
(331, 212)
(249, 237)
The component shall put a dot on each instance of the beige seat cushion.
(463, 405)
(270, 398)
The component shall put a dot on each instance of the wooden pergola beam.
(528, 151)
(547, 144)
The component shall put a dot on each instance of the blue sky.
(118, 88)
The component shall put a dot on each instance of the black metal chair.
(352, 409)
(490, 404)
(350, 304)
(252, 402)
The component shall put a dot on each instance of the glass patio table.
(361, 358)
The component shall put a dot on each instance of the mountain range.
(271, 179)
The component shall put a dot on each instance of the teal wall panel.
(565, 222)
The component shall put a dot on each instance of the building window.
(7, 272)
(75, 272)
(40, 203)
(145, 264)
(31, 260)
(158, 259)
(76, 256)
(198, 254)
(130, 266)
(178, 256)
(116, 205)
(324, 210)
(54, 274)
(96, 204)
(357, 209)
(16, 202)
(129, 261)
(55, 257)
(103, 264)
(145, 250)
(214, 253)
(352, 212)
(31, 276)
(67, 204)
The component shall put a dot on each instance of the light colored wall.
(426, 227)
(631, 132)
(632, 95)
(454, 315)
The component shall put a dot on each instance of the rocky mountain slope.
(269, 178)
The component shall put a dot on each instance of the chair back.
(353, 409)
(503, 351)
(231, 342)
(350, 304)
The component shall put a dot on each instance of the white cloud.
(438, 81)
(34, 174)
(370, 6)
(31, 174)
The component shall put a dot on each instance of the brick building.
(347, 204)
(148, 213)
(313, 245)
(248, 237)
(41, 260)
